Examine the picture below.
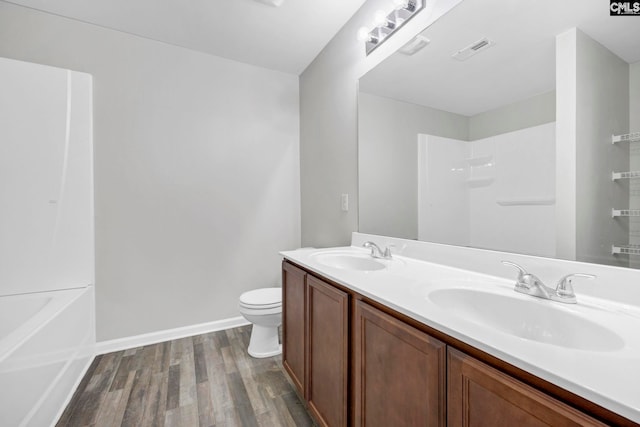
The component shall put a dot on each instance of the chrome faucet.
(376, 252)
(530, 284)
(564, 288)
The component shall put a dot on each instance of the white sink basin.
(531, 320)
(349, 261)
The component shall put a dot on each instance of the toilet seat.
(262, 299)
(259, 311)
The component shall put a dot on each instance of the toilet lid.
(266, 297)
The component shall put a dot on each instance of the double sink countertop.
(591, 348)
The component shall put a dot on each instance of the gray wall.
(329, 121)
(196, 171)
(527, 113)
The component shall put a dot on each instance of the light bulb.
(363, 34)
(401, 3)
(380, 18)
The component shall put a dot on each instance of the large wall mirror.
(494, 129)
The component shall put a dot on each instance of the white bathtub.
(47, 342)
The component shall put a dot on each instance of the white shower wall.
(46, 186)
(47, 311)
(495, 192)
(443, 194)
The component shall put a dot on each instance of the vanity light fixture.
(386, 24)
(274, 3)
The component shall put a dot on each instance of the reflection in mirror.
(498, 133)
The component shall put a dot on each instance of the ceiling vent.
(472, 49)
(414, 45)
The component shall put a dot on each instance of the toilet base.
(264, 342)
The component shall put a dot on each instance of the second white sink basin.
(349, 261)
(530, 320)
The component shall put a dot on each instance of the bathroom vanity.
(390, 342)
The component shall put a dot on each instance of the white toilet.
(263, 308)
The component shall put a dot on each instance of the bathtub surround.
(47, 311)
(467, 190)
(48, 356)
(46, 176)
(196, 171)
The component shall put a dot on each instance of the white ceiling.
(285, 38)
(519, 66)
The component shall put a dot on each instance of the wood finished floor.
(206, 380)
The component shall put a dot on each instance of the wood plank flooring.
(206, 380)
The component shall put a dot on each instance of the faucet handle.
(521, 271)
(526, 281)
(564, 289)
(387, 251)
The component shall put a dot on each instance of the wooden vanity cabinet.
(399, 372)
(316, 344)
(479, 395)
(357, 362)
(294, 296)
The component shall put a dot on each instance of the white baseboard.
(103, 347)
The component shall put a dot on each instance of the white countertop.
(607, 377)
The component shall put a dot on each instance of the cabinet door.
(328, 352)
(293, 322)
(399, 372)
(479, 395)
